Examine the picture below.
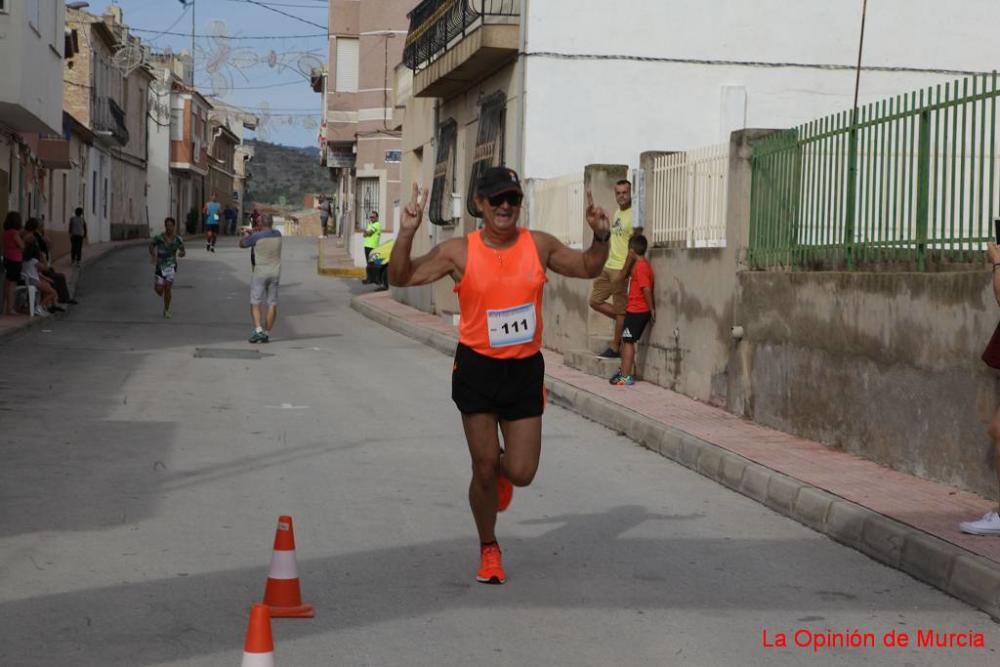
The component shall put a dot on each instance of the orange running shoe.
(490, 565)
(505, 492)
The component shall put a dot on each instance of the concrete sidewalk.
(902, 521)
(334, 259)
(10, 324)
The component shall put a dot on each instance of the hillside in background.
(285, 172)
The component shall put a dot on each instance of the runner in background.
(164, 250)
(213, 216)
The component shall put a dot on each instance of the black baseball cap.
(495, 180)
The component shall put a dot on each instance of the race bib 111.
(511, 326)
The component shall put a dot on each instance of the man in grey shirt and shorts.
(266, 244)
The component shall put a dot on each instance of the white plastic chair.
(32, 297)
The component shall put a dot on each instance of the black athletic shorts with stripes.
(509, 388)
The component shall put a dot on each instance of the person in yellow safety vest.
(378, 265)
(372, 234)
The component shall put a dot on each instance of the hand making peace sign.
(597, 218)
(413, 212)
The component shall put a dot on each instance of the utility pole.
(192, 42)
(852, 153)
(190, 3)
(857, 74)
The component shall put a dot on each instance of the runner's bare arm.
(569, 262)
(405, 271)
(423, 270)
(576, 263)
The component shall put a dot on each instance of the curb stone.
(342, 273)
(970, 578)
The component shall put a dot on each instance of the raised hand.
(597, 218)
(413, 212)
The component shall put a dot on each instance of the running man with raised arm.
(498, 375)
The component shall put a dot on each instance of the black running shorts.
(509, 388)
(635, 324)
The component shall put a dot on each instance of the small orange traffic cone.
(258, 650)
(283, 596)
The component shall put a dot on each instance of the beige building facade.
(362, 135)
(460, 94)
(111, 103)
(221, 156)
(188, 155)
(231, 122)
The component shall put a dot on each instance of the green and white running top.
(166, 250)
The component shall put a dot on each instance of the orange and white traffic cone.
(258, 650)
(283, 596)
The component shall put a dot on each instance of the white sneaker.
(41, 312)
(988, 525)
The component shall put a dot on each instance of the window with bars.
(439, 211)
(489, 143)
(366, 201)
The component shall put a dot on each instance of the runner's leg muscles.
(522, 439)
(484, 448)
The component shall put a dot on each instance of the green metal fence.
(908, 179)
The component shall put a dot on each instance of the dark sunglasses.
(511, 197)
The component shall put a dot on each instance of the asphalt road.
(145, 463)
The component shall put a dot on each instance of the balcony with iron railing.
(452, 44)
(110, 127)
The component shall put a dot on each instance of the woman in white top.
(29, 272)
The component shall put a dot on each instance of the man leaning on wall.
(611, 283)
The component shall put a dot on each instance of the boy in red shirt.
(640, 311)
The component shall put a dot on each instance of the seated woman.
(30, 273)
(58, 280)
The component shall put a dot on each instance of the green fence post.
(923, 186)
(852, 190)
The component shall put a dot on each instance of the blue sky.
(257, 72)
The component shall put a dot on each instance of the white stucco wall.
(31, 75)
(587, 110)
(158, 164)
(98, 212)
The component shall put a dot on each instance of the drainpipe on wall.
(522, 50)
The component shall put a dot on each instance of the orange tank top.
(500, 298)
